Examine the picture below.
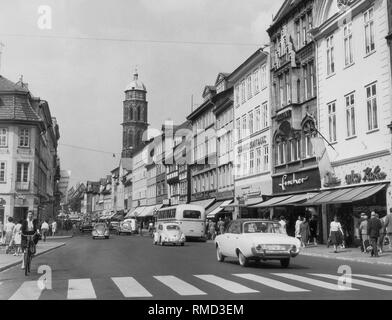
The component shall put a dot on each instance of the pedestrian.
(1, 232)
(29, 227)
(207, 228)
(221, 226)
(336, 233)
(313, 229)
(9, 231)
(212, 230)
(363, 233)
(283, 224)
(382, 235)
(44, 230)
(18, 238)
(373, 230)
(298, 228)
(388, 227)
(304, 231)
(54, 228)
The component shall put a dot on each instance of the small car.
(169, 233)
(256, 240)
(101, 230)
(86, 227)
(128, 226)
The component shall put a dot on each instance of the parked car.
(86, 227)
(101, 230)
(128, 226)
(114, 225)
(169, 233)
(256, 240)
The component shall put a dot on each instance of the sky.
(83, 59)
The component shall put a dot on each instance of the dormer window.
(24, 138)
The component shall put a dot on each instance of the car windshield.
(100, 227)
(261, 227)
(172, 227)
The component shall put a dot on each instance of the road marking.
(80, 289)
(228, 285)
(357, 282)
(181, 287)
(271, 283)
(317, 283)
(130, 288)
(373, 278)
(29, 290)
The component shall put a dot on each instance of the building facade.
(252, 145)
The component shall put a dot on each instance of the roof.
(136, 84)
(16, 108)
(284, 10)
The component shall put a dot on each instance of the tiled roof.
(15, 107)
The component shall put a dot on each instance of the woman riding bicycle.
(29, 228)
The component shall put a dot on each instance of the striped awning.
(222, 204)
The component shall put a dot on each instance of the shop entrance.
(20, 213)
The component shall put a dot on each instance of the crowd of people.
(215, 228)
(305, 230)
(11, 234)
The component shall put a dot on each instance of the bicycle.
(29, 252)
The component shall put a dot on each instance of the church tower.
(134, 117)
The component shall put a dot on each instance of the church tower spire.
(134, 116)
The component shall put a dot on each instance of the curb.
(13, 264)
(59, 237)
(319, 255)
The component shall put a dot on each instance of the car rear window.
(261, 227)
(100, 227)
(172, 227)
(192, 214)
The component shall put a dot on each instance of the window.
(348, 44)
(191, 214)
(308, 146)
(24, 138)
(371, 92)
(3, 137)
(298, 34)
(304, 30)
(332, 121)
(245, 163)
(251, 128)
(288, 87)
(251, 162)
(249, 86)
(243, 96)
(350, 115)
(312, 80)
(281, 153)
(330, 56)
(238, 126)
(256, 81)
(266, 158)
(281, 91)
(369, 31)
(22, 172)
(258, 119)
(306, 80)
(2, 172)
(294, 148)
(310, 24)
(265, 115)
(244, 133)
(237, 96)
(258, 160)
(263, 76)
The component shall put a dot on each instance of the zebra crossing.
(256, 284)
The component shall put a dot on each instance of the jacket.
(373, 227)
(25, 232)
(388, 223)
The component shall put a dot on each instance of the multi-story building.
(252, 139)
(119, 195)
(28, 153)
(294, 109)
(354, 101)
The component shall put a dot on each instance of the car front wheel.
(285, 263)
(219, 256)
(242, 260)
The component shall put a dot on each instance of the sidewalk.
(9, 260)
(348, 254)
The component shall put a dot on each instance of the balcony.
(22, 186)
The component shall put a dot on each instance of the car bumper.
(273, 255)
(100, 236)
(174, 241)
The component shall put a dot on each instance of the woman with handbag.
(336, 233)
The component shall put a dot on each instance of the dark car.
(86, 227)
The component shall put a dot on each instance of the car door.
(234, 239)
(226, 239)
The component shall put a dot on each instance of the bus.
(191, 219)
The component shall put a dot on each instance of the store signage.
(369, 175)
(353, 178)
(330, 180)
(308, 180)
(253, 144)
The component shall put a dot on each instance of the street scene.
(196, 151)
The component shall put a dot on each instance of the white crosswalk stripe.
(29, 290)
(314, 282)
(181, 287)
(271, 283)
(356, 281)
(373, 278)
(80, 289)
(227, 285)
(130, 288)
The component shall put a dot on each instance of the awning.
(252, 201)
(271, 202)
(212, 214)
(295, 199)
(204, 203)
(135, 213)
(149, 211)
(347, 195)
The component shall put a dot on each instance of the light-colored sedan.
(169, 233)
(256, 240)
(100, 230)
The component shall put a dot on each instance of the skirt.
(336, 237)
(8, 237)
(18, 239)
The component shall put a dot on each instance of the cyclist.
(29, 228)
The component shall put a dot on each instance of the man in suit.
(29, 227)
(373, 229)
(388, 227)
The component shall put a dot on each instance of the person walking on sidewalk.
(283, 224)
(388, 227)
(44, 230)
(336, 233)
(382, 234)
(305, 232)
(1, 232)
(9, 232)
(313, 229)
(363, 233)
(373, 230)
(298, 228)
(18, 238)
(221, 226)
(54, 228)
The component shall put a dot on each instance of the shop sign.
(298, 181)
(353, 178)
(330, 180)
(253, 144)
(369, 175)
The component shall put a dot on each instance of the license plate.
(276, 248)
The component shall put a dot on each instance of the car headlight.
(182, 236)
(294, 248)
